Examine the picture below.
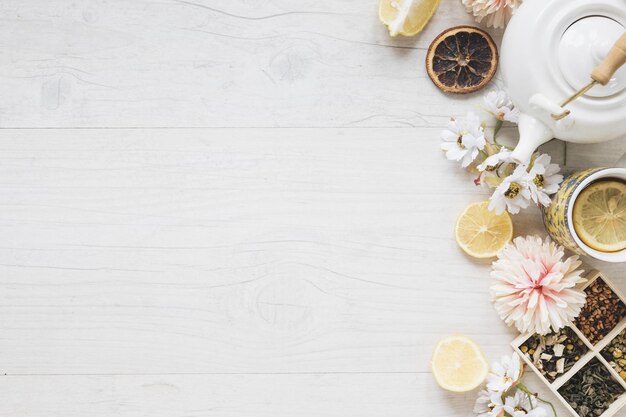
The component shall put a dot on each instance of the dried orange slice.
(462, 60)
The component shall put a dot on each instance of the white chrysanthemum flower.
(512, 194)
(534, 288)
(496, 159)
(488, 178)
(519, 405)
(489, 168)
(536, 412)
(498, 104)
(505, 374)
(464, 140)
(496, 13)
(489, 404)
(544, 180)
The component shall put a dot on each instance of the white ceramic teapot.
(549, 51)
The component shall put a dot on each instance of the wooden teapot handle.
(613, 61)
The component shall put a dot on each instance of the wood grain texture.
(214, 63)
(332, 395)
(596, 155)
(278, 250)
(236, 251)
(232, 208)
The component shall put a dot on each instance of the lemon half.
(482, 233)
(599, 216)
(458, 364)
(406, 17)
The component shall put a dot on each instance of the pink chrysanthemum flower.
(496, 13)
(534, 289)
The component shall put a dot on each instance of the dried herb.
(555, 353)
(591, 390)
(601, 313)
(615, 354)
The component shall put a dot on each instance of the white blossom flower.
(497, 13)
(498, 104)
(534, 288)
(520, 405)
(496, 159)
(489, 404)
(513, 193)
(463, 141)
(536, 412)
(490, 168)
(525, 400)
(488, 178)
(513, 406)
(544, 180)
(504, 374)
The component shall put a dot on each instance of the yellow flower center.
(539, 180)
(513, 191)
(459, 141)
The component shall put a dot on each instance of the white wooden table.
(232, 209)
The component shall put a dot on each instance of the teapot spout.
(533, 133)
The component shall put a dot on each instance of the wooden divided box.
(592, 351)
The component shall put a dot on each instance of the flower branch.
(475, 145)
(504, 394)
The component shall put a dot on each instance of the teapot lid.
(583, 46)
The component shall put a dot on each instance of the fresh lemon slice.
(406, 17)
(482, 233)
(600, 216)
(458, 364)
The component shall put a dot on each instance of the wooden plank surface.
(177, 252)
(150, 63)
(313, 395)
(312, 250)
(232, 208)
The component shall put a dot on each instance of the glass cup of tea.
(559, 217)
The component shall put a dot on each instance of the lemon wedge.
(600, 216)
(482, 233)
(458, 364)
(406, 17)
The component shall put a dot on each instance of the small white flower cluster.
(475, 145)
(504, 395)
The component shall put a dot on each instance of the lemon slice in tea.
(599, 216)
